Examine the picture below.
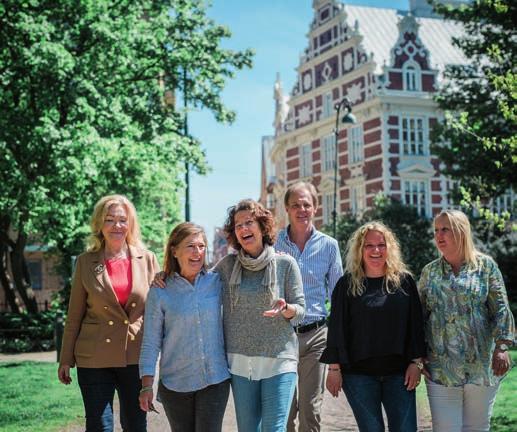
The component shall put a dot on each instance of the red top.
(121, 278)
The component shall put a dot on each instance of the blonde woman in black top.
(375, 340)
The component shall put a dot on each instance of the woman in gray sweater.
(262, 294)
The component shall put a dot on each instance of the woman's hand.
(146, 400)
(159, 280)
(63, 373)
(500, 362)
(280, 307)
(412, 377)
(334, 380)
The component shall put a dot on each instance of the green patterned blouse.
(464, 315)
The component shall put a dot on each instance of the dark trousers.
(365, 395)
(197, 411)
(98, 387)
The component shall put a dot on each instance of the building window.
(306, 161)
(411, 77)
(416, 194)
(357, 199)
(36, 274)
(413, 136)
(270, 201)
(328, 105)
(356, 144)
(504, 203)
(328, 208)
(329, 153)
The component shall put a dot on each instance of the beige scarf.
(265, 260)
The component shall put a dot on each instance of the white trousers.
(466, 408)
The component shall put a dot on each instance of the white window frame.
(411, 77)
(327, 207)
(357, 198)
(415, 192)
(329, 153)
(356, 144)
(504, 202)
(414, 136)
(306, 160)
(327, 107)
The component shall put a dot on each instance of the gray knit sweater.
(246, 331)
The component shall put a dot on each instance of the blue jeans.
(365, 395)
(263, 405)
(98, 387)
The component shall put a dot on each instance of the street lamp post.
(185, 134)
(348, 118)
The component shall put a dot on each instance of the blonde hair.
(462, 233)
(178, 234)
(96, 239)
(395, 267)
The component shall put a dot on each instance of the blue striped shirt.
(184, 322)
(321, 268)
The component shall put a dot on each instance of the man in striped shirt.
(319, 260)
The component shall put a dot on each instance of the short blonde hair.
(395, 267)
(96, 239)
(462, 233)
(178, 234)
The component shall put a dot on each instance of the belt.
(312, 326)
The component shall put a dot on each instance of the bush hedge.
(27, 332)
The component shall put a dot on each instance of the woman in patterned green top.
(468, 328)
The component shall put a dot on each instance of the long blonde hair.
(462, 233)
(96, 239)
(395, 267)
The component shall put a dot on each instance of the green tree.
(478, 143)
(413, 232)
(82, 86)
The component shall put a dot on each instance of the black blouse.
(376, 333)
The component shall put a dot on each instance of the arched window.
(412, 77)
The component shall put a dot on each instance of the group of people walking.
(257, 322)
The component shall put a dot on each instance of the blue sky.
(276, 30)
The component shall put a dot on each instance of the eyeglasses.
(371, 247)
(248, 224)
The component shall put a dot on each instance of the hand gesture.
(277, 308)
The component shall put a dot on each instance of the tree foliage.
(413, 232)
(82, 87)
(478, 142)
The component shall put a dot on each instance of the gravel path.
(336, 416)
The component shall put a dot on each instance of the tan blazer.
(99, 332)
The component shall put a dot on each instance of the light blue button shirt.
(320, 266)
(184, 322)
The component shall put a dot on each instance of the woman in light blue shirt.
(184, 323)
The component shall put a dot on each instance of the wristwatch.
(419, 364)
(502, 347)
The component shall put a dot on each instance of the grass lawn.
(34, 400)
(504, 418)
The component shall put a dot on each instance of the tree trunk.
(6, 244)
(20, 273)
(5, 279)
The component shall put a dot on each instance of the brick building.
(389, 64)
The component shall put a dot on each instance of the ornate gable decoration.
(409, 46)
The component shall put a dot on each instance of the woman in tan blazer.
(103, 330)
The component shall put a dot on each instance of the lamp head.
(349, 118)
